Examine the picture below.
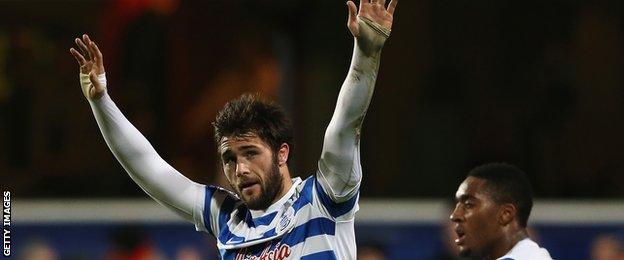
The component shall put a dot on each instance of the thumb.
(352, 12)
(94, 81)
(98, 87)
(352, 21)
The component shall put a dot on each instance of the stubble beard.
(470, 254)
(478, 253)
(465, 252)
(268, 190)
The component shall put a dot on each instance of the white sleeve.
(340, 172)
(137, 156)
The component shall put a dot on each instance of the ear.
(282, 154)
(506, 214)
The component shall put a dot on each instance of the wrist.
(372, 36)
(90, 91)
(383, 31)
(101, 99)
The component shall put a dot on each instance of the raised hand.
(91, 63)
(374, 10)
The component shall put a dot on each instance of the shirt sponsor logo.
(280, 252)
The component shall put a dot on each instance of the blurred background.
(536, 83)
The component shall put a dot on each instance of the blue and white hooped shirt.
(304, 224)
(526, 249)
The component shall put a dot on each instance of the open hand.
(375, 10)
(90, 60)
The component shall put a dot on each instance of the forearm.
(155, 176)
(339, 164)
(356, 93)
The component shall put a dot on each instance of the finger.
(86, 39)
(392, 6)
(88, 42)
(362, 3)
(98, 54)
(352, 11)
(83, 47)
(382, 3)
(81, 60)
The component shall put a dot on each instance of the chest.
(315, 235)
(271, 250)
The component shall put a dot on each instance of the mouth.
(461, 235)
(243, 187)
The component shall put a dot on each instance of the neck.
(507, 242)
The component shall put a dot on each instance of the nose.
(241, 168)
(456, 215)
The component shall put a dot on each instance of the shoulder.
(217, 208)
(220, 195)
(527, 249)
(221, 202)
(305, 188)
(312, 192)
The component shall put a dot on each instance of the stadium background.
(534, 83)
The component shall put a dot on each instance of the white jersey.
(526, 249)
(304, 224)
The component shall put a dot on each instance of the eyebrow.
(249, 146)
(244, 147)
(464, 197)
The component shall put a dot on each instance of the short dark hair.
(249, 114)
(506, 183)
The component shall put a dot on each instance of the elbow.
(336, 133)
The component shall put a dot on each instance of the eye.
(228, 160)
(250, 154)
(469, 204)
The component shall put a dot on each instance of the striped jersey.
(526, 249)
(304, 224)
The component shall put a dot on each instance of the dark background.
(536, 83)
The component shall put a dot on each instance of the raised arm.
(155, 176)
(339, 165)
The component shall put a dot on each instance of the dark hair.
(506, 183)
(249, 114)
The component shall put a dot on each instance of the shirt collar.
(278, 204)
